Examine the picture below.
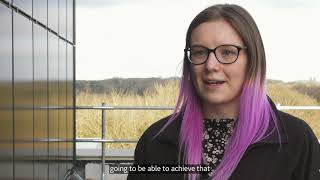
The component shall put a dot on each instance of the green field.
(130, 124)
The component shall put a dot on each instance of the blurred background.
(130, 53)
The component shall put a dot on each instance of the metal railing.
(103, 139)
(105, 107)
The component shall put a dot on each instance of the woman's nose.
(212, 62)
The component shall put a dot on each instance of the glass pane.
(53, 17)
(62, 103)
(40, 100)
(70, 20)
(40, 10)
(24, 5)
(62, 18)
(70, 101)
(53, 76)
(6, 120)
(23, 97)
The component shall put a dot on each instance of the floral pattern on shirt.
(215, 137)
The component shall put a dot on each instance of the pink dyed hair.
(255, 113)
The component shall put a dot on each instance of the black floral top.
(215, 137)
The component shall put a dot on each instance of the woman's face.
(210, 35)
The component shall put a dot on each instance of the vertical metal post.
(73, 84)
(103, 133)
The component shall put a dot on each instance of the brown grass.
(130, 124)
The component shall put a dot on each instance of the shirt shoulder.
(296, 128)
(304, 147)
(144, 143)
(154, 128)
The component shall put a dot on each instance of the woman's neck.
(221, 111)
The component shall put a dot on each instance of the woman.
(223, 117)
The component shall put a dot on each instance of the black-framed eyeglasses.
(225, 54)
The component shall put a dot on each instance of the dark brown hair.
(245, 25)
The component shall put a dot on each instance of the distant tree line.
(310, 90)
(139, 85)
(123, 85)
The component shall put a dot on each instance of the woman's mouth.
(214, 83)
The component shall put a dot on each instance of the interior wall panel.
(23, 96)
(6, 111)
(53, 14)
(23, 5)
(53, 76)
(40, 11)
(36, 77)
(70, 117)
(63, 18)
(40, 103)
(70, 16)
(62, 103)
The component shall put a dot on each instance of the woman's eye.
(228, 53)
(199, 52)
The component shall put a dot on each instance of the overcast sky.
(145, 38)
